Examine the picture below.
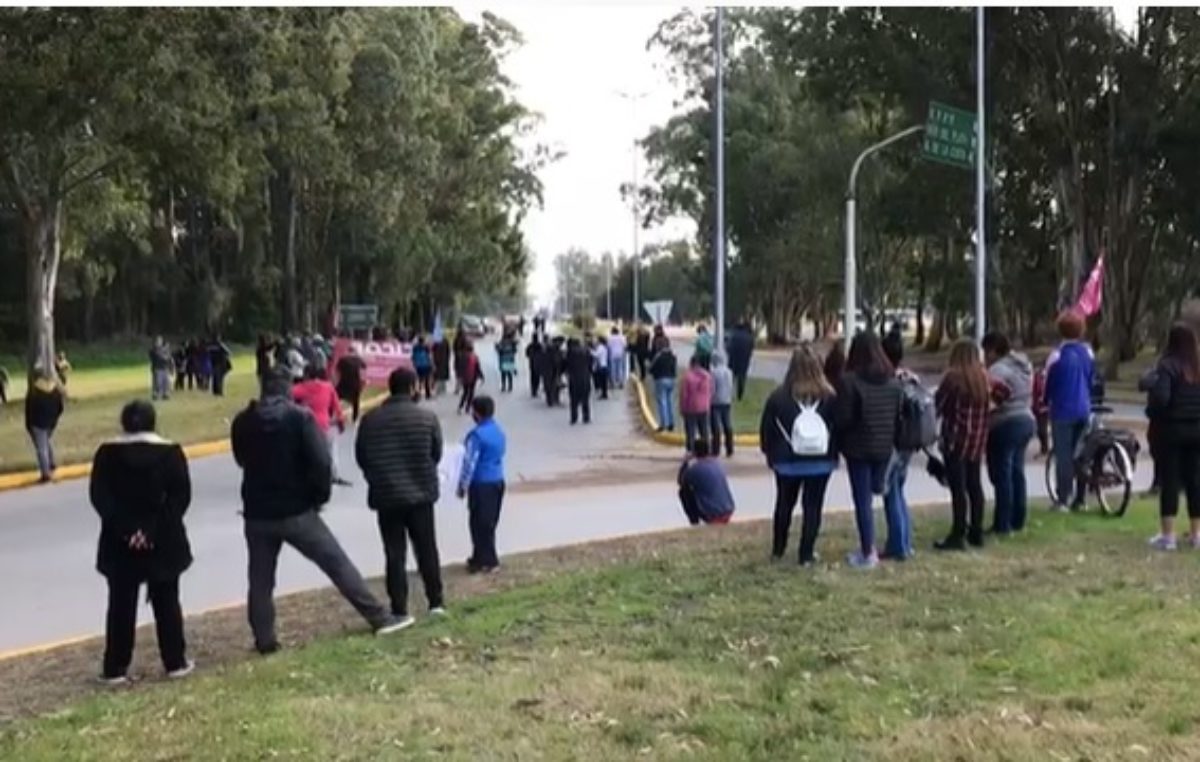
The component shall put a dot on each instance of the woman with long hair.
(801, 461)
(963, 399)
(1175, 402)
(868, 404)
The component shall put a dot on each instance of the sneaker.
(950, 544)
(438, 611)
(857, 560)
(1163, 542)
(114, 681)
(1058, 508)
(178, 674)
(396, 624)
(268, 648)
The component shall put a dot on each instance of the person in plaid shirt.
(962, 400)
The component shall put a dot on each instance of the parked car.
(472, 325)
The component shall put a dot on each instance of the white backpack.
(809, 435)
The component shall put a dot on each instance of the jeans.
(160, 384)
(600, 382)
(483, 508)
(966, 497)
(1066, 436)
(895, 508)
(467, 396)
(740, 379)
(722, 425)
(1006, 446)
(331, 439)
(309, 535)
(218, 383)
(43, 448)
(618, 368)
(664, 391)
(810, 490)
(120, 628)
(581, 401)
(694, 425)
(396, 527)
(866, 480)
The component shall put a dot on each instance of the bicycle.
(1108, 458)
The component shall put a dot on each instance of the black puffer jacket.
(774, 430)
(140, 482)
(398, 448)
(284, 459)
(1175, 403)
(867, 410)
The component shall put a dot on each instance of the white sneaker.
(438, 611)
(113, 681)
(1163, 542)
(182, 672)
(396, 625)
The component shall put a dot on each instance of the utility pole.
(980, 185)
(719, 150)
(633, 99)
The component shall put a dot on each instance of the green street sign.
(949, 136)
(358, 317)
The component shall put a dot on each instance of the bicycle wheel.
(1112, 480)
(1051, 480)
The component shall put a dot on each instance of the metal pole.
(719, 247)
(608, 289)
(636, 314)
(851, 305)
(980, 188)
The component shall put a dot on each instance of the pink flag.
(1092, 296)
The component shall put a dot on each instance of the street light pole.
(980, 188)
(633, 99)
(851, 304)
(719, 242)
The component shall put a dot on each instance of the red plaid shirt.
(964, 421)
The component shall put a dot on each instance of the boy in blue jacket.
(481, 482)
(1069, 373)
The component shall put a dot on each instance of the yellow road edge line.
(650, 423)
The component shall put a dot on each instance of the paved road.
(47, 535)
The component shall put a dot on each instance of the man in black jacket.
(579, 380)
(285, 480)
(741, 349)
(398, 448)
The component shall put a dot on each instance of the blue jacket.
(705, 478)
(483, 461)
(1069, 382)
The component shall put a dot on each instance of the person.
(1069, 372)
(62, 367)
(663, 369)
(481, 482)
(219, 355)
(899, 543)
(285, 481)
(179, 361)
(695, 401)
(398, 448)
(704, 346)
(618, 362)
(141, 490)
(579, 380)
(868, 404)
(506, 358)
(533, 354)
(1175, 399)
(1010, 428)
(318, 396)
(521, 326)
(44, 404)
(422, 361)
(351, 371)
(202, 362)
(835, 363)
(720, 414)
(600, 367)
(553, 366)
(1041, 412)
(3, 385)
(703, 487)
(160, 370)
(641, 350)
(962, 399)
(470, 377)
(1154, 438)
(461, 342)
(802, 475)
(741, 349)
(262, 356)
(441, 364)
(296, 361)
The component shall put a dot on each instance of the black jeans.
(397, 526)
(600, 382)
(966, 496)
(483, 508)
(581, 400)
(788, 490)
(722, 424)
(309, 535)
(740, 378)
(218, 383)
(120, 628)
(1178, 471)
(506, 380)
(695, 425)
(468, 396)
(535, 379)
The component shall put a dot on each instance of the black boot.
(952, 542)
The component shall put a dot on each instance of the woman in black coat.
(141, 489)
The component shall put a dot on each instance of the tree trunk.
(42, 225)
(921, 286)
(283, 237)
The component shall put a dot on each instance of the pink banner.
(381, 358)
(1091, 298)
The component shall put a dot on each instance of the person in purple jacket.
(1069, 372)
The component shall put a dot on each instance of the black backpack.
(916, 426)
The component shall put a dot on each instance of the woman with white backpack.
(796, 436)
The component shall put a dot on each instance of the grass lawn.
(1071, 642)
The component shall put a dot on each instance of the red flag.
(1091, 298)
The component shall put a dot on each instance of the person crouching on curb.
(481, 482)
(704, 488)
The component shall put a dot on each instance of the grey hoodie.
(722, 381)
(1016, 372)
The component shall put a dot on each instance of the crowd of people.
(196, 363)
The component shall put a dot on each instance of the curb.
(23, 479)
(650, 423)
